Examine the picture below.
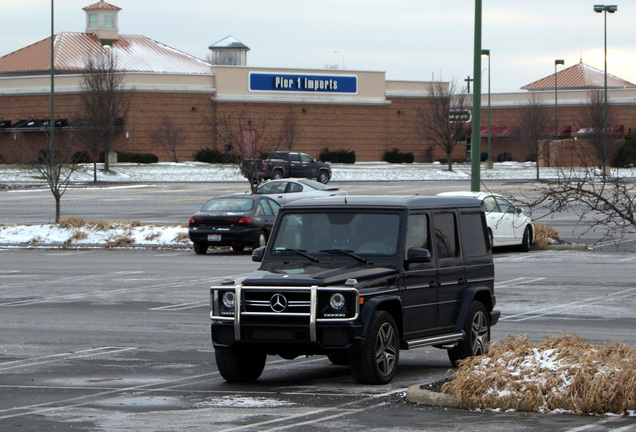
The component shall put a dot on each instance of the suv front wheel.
(477, 330)
(376, 362)
(240, 365)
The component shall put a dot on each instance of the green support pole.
(475, 149)
(52, 119)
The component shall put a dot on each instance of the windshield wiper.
(299, 252)
(345, 252)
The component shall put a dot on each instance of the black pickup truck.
(359, 278)
(282, 164)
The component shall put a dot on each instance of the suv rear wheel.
(477, 330)
(377, 360)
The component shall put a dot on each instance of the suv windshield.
(321, 233)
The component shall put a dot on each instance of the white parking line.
(567, 306)
(61, 357)
(181, 306)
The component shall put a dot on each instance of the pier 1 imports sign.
(303, 83)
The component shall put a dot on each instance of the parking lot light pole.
(556, 112)
(489, 163)
(52, 116)
(605, 9)
(475, 148)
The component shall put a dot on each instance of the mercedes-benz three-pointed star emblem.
(278, 303)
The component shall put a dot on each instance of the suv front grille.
(276, 301)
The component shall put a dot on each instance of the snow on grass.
(78, 232)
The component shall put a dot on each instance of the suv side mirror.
(418, 255)
(257, 254)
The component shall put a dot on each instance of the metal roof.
(229, 43)
(101, 5)
(133, 53)
(579, 77)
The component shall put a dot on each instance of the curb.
(420, 396)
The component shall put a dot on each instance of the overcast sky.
(408, 39)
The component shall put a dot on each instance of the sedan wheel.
(200, 248)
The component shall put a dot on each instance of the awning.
(499, 131)
(613, 130)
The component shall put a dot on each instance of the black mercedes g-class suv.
(359, 278)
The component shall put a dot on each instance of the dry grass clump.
(181, 237)
(97, 225)
(542, 236)
(120, 241)
(560, 373)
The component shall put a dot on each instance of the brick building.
(335, 109)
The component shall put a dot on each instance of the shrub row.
(339, 156)
(395, 156)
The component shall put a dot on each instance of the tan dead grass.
(120, 241)
(542, 236)
(182, 237)
(96, 224)
(560, 373)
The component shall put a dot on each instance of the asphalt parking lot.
(115, 340)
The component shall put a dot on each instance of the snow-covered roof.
(133, 53)
(579, 77)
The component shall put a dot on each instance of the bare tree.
(104, 105)
(607, 203)
(534, 121)
(433, 120)
(248, 139)
(290, 132)
(54, 161)
(169, 135)
(596, 134)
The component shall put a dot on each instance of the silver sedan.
(288, 190)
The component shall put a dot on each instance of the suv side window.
(417, 232)
(445, 235)
(473, 237)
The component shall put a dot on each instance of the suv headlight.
(337, 304)
(337, 301)
(224, 303)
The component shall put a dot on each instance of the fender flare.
(391, 304)
(483, 294)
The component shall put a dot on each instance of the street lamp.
(556, 112)
(489, 164)
(605, 9)
(341, 56)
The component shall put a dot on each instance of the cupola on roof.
(228, 51)
(101, 19)
(579, 77)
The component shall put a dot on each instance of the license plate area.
(214, 237)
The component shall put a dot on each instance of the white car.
(507, 224)
(288, 190)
